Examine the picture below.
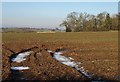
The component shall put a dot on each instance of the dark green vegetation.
(98, 52)
(77, 22)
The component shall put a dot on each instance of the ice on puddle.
(86, 74)
(81, 68)
(58, 53)
(24, 54)
(71, 58)
(69, 63)
(18, 60)
(21, 57)
(19, 68)
(49, 51)
(64, 60)
(83, 71)
(61, 58)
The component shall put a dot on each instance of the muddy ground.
(99, 58)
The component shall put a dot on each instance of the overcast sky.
(48, 14)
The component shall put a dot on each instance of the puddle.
(70, 58)
(60, 58)
(58, 53)
(21, 57)
(19, 68)
(84, 72)
(69, 62)
(16, 75)
(17, 72)
(49, 51)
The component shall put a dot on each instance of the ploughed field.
(97, 52)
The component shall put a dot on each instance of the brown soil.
(44, 67)
(98, 53)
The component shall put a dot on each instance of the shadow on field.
(14, 75)
(12, 78)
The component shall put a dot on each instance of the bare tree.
(76, 22)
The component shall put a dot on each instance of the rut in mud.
(36, 64)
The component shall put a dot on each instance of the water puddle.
(70, 58)
(57, 55)
(49, 51)
(69, 61)
(19, 68)
(17, 72)
(20, 57)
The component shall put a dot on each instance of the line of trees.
(76, 22)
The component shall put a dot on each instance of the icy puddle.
(69, 61)
(19, 68)
(16, 70)
(21, 57)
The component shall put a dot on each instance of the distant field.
(98, 52)
(82, 37)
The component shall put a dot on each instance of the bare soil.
(99, 58)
